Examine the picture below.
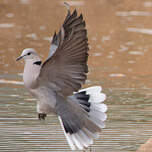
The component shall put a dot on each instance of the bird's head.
(28, 54)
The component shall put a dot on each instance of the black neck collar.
(38, 62)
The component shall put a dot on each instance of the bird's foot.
(88, 149)
(42, 116)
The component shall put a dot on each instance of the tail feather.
(99, 107)
(85, 138)
(91, 135)
(97, 114)
(68, 137)
(97, 98)
(90, 90)
(76, 140)
(91, 120)
(95, 94)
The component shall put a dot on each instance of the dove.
(56, 83)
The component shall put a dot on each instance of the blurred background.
(120, 41)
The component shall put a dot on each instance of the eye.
(28, 53)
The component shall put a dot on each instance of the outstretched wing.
(65, 70)
(56, 36)
(54, 45)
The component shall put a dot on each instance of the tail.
(82, 125)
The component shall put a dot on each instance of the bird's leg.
(87, 149)
(90, 149)
(42, 116)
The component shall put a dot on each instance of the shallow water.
(119, 35)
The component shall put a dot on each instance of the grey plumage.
(67, 67)
(57, 81)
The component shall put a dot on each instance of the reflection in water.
(148, 4)
(144, 31)
(10, 81)
(32, 36)
(25, 1)
(120, 61)
(127, 127)
(134, 13)
(6, 25)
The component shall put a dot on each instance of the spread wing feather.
(66, 68)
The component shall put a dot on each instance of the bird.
(57, 83)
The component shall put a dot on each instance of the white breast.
(31, 72)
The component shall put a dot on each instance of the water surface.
(119, 33)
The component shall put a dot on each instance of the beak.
(19, 58)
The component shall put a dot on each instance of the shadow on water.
(120, 61)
